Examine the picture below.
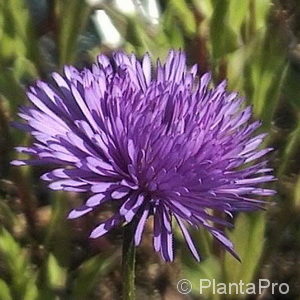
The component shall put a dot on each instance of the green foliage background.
(252, 43)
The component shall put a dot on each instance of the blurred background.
(253, 43)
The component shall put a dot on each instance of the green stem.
(290, 150)
(128, 263)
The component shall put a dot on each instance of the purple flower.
(163, 143)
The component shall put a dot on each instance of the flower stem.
(128, 263)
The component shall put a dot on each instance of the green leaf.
(11, 251)
(290, 151)
(205, 7)
(209, 269)
(25, 69)
(58, 237)
(237, 12)
(15, 259)
(184, 14)
(137, 36)
(267, 68)
(16, 31)
(248, 238)
(11, 89)
(31, 290)
(223, 39)
(73, 15)
(90, 272)
(56, 274)
(52, 278)
(297, 194)
(170, 34)
(291, 83)
(4, 291)
(7, 217)
(261, 9)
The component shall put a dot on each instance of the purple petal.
(96, 200)
(101, 187)
(140, 226)
(188, 239)
(78, 212)
(106, 226)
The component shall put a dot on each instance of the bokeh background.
(253, 43)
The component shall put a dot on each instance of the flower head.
(166, 144)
